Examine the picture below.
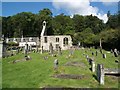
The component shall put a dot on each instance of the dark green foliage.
(86, 29)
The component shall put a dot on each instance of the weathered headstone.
(71, 51)
(1, 49)
(26, 49)
(90, 60)
(4, 53)
(45, 57)
(111, 51)
(87, 57)
(30, 47)
(18, 50)
(92, 53)
(104, 55)
(93, 66)
(59, 50)
(28, 58)
(96, 53)
(115, 52)
(100, 73)
(56, 63)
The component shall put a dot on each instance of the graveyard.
(73, 71)
(51, 46)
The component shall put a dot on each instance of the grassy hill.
(38, 73)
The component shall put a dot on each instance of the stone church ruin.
(62, 41)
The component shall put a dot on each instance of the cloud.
(79, 7)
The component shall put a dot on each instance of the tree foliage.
(86, 29)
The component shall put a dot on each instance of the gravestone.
(111, 51)
(30, 47)
(87, 57)
(71, 51)
(101, 50)
(51, 49)
(1, 49)
(93, 66)
(26, 50)
(90, 61)
(28, 58)
(45, 57)
(4, 49)
(104, 55)
(96, 53)
(55, 63)
(115, 52)
(92, 53)
(100, 73)
(59, 51)
(18, 50)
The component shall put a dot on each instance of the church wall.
(52, 39)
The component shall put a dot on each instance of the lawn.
(38, 73)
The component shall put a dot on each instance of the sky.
(68, 7)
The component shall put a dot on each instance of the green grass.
(38, 73)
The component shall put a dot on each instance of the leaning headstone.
(93, 66)
(100, 73)
(55, 63)
(59, 50)
(104, 55)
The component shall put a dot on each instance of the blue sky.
(71, 7)
(12, 8)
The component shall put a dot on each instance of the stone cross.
(100, 73)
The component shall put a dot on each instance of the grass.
(37, 73)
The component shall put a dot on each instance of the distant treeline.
(86, 29)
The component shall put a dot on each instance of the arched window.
(65, 41)
(57, 39)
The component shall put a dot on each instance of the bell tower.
(43, 29)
